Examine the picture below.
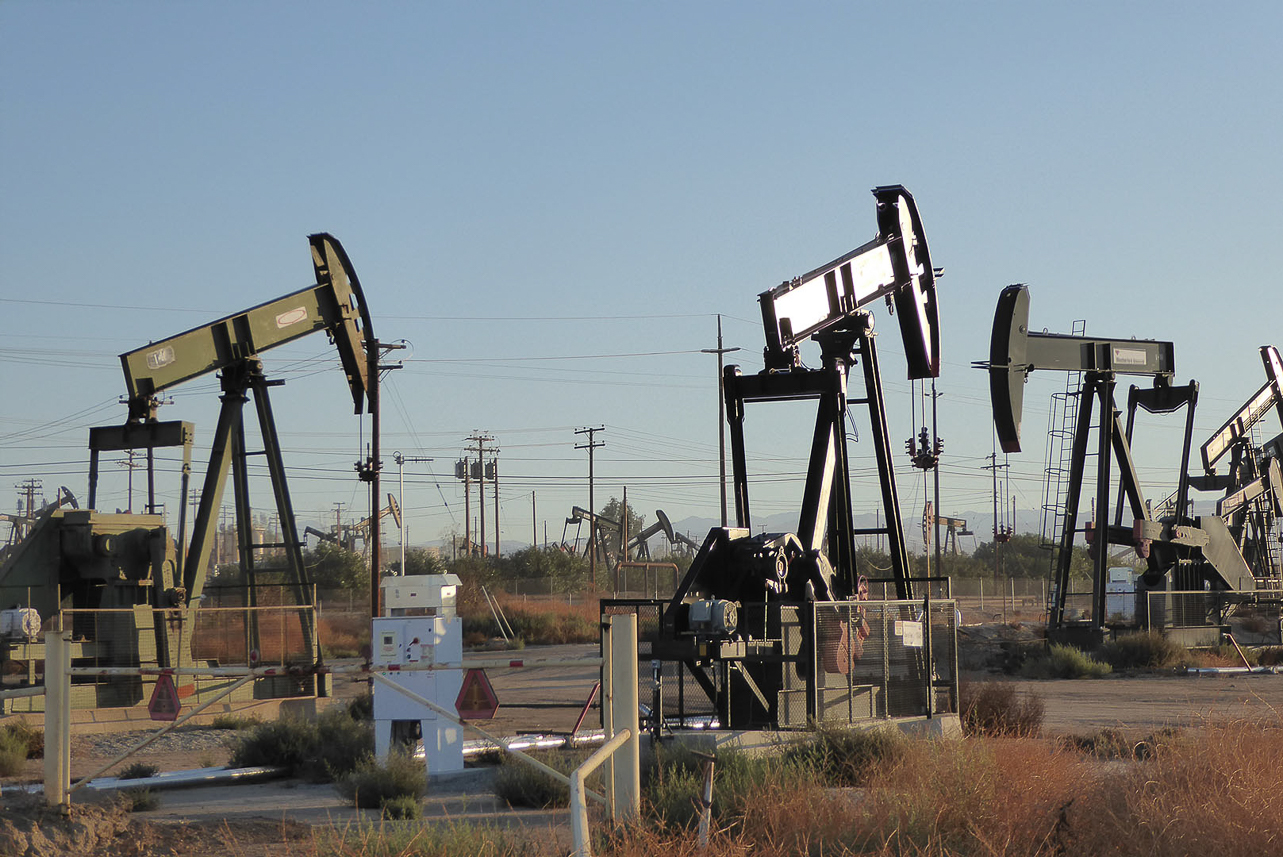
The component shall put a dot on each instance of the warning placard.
(164, 704)
(477, 699)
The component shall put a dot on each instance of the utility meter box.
(1120, 594)
(420, 595)
(418, 645)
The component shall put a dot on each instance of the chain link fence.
(795, 664)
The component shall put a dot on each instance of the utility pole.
(462, 470)
(338, 523)
(480, 441)
(1000, 533)
(29, 487)
(405, 521)
(26, 511)
(534, 523)
(935, 429)
(721, 415)
(131, 465)
(590, 446)
(369, 470)
(494, 471)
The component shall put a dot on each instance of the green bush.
(139, 771)
(521, 784)
(1065, 662)
(361, 707)
(320, 750)
(401, 808)
(675, 784)
(841, 756)
(997, 708)
(139, 800)
(34, 738)
(235, 721)
(13, 753)
(372, 783)
(1148, 650)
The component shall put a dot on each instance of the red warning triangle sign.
(477, 699)
(164, 704)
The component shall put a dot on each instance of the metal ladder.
(1061, 422)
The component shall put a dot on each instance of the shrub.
(675, 784)
(139, 800)
(139, 771)
(1223, 655)
(1218, 795)
(1065, 662)
(342, 636)
(235, 721)
(371, 783)
(320, 750)
(13, 753)
(842, 756)
(1113, 744)
(34, 738)
(1269, 656)
(361, 707)
(1148, 650)
(401, 808)
(521, 784)
(998, 708)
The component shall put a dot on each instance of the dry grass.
(343, 634)
(221, 636)
(1220, 794)
(997, 708)
(540, 621)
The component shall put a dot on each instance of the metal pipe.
(467, 724)
(579, 806)
(163, 731)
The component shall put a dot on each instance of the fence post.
(607, 707)
(626, 788)
(57, 720)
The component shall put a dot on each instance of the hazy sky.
(552, 202)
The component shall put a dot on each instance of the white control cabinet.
(419, 628)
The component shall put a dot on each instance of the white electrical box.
(418, 630)
(420, 595)
(1120, 594)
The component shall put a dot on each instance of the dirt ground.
(283, 817)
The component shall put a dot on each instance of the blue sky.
(552, 202)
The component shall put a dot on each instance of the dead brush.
(1221, 794)
(342, 636)
(998, 708)
(981, 796)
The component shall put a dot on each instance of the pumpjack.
(1198, 553)
(738, 623)
(1252, 485)
(606, 534)
(133, 593)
